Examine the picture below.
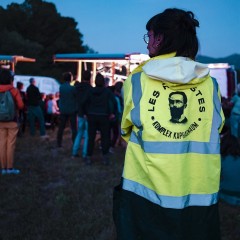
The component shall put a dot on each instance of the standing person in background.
(67, 108)
(230, 169)
(115, 124)
(57, 95)
(83, 88)
(43, 104)
(106, 82)
(100, 110)
(34, 109)
(9, 129)
(235, 114)
(52, 111)
(22, 113)
(170, 182)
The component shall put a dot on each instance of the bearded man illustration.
(177, 104)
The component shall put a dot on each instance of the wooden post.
(113, 73)
(79, 70)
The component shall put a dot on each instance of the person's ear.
(159, 39)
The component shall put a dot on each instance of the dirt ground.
(53, 199)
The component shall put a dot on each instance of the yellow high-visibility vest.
(172, 163)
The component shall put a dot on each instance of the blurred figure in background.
(116, 122)
(83, 89)
(57, 95)
(99, 113)
(67, 108)
(235, 114)
(230, 169)
(34, 98)
(106, 82)
(22, 113)
(43, 105)
(52, 111)
(9, 129)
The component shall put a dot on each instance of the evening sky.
(113, 26)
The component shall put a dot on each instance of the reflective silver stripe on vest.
(216, 121)
(169, 201)
(176, 147)
(211, 147)
(136, 97)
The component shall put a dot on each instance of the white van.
(226, 77)
(45, 84)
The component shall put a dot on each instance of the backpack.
(7, 107)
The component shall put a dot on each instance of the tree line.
(35, 29)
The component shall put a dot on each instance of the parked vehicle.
(226, 77)
(45, 84)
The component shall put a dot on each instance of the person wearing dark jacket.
(100, 111)
(34, 109)
(83, 88)
(67, 107)
(22, 113)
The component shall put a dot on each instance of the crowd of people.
(230, 150)
(90, 110)
(172, 119)
(87, 110)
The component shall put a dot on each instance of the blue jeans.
(82, 133)
(36, 112)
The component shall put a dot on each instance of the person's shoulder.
(77, 84)
(108, 90)
(23, 94)
(14, 91)
(89, 87)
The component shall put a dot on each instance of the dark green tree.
(35, 29)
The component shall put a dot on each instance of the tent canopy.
(11, 60)
(99, 60)
(15, 58)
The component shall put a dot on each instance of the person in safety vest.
(172, 121)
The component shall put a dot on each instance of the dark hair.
(178, 28)
(118, 86)
(106, 80)
(230, 145)
(99, 80)
(6, 76)
(31, 80)
(67, 77)
(86, 75)
(19, 85)
(50, 96)
(181, 93)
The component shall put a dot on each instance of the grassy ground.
(59, 198)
